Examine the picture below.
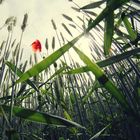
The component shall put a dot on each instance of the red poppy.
(36, 46)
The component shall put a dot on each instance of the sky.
(40, 13)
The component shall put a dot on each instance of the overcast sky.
(40, 13)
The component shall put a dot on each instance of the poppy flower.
(36, 46)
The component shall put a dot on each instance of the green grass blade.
(40, 117)
(111, 6)
(108, 34)
(19, 73)
(103, 80)
(78, 70)
(106, 62)
(59, 71)
(45, 63)
(100, 132)
(117, 58)
(94, 86)
(128, 26)
(91, 13)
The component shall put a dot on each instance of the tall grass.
(58, 98)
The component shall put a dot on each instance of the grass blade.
(111, 6)
(103, 80)
(128, 26)
(45, 63)
(100, 132)
(19, 73)
(40, 117)
(91, 13)
(35, 70)
(106, 62)
(108, 34)
(90, 92)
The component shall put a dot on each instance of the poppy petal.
(36, 46)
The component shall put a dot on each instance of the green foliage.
(128, 26)
(44, 64)
(108, 33)
(19, 73)
(40, 117)
(107, 62)
(101, 77)
(99, 133)
(84, 106)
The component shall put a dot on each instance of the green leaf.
(117, 58)
(108, 33)
(94, 86)
(45, 63)
(103, 80)
(128, 26)
(59, 71)
(61, 138)
(40, 117)
(106, 62)
(91, 13)
(78, 70)
(66, 115)
(100, 132)
(111, 6)
(19, 73)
